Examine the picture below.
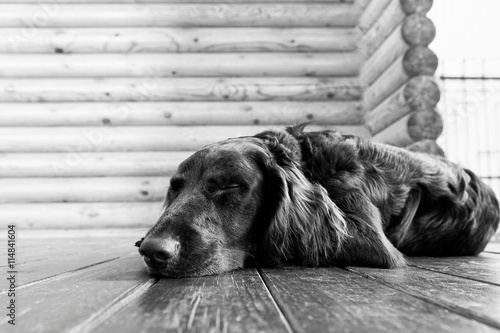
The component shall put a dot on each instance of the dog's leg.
(402, 232)
(367, 244)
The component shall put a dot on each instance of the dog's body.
(315, 198)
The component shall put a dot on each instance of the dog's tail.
(449, 212)
(483, 213)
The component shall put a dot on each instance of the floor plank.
(231, 302)
(484, 268)
(334, 300)
(43, 249)
(473, 299)
(71, 281)
(61, 303)
(44, 258)
(493, 247)
(42, 269)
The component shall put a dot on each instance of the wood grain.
(493, 247)
(180, 15)
(420, 60)
(372, 11)
(177, 1)
(391, 49)
(484, 268)
(418, 30)
(388, 82)
(92, 164)
(413, 127)
(181, 113)
(472, 299)
(72, 258)
(62, 303)
(78, 215)
(160, 40)
(416, 6)
(417, 61)
(419, 93)
(231, 302)
(42, 249)
(387, 21)
(422, 93)
(152, 88)
(179, 65)
(86, 189)
(82, 140)
(333, 300)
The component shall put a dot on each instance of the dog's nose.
(159, 251)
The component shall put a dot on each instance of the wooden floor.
(83, 281)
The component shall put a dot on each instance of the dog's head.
(237, 200)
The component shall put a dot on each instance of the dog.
(315, 199)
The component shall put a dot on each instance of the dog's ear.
(282, 145)
(305, 225)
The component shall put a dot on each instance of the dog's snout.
(159, 251)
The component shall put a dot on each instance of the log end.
(425, 125)
(416, 6)
(420, 60)
(422, 93)
(418, 30)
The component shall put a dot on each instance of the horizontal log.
(418, 30)
(90, 164)
(177, 1)
(420, 93)
(138, 138)
(76, 215)
(178, 89)
(87, 189)
(416, 61)
(426, 146)
(372, 11)
(390, 18)
(362, 4)
(416, 6)
(389, 81)
(180, 65)
(390, 50)
(180, 113)
(384, 115)
(416, 126)
(151, 40)
(179, 15)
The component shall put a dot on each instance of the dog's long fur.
(318, 199)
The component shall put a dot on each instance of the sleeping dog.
(315, 199)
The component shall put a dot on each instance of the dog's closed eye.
(217, 191)
(221, 182)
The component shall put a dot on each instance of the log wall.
(100, 101)
(401, 94)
